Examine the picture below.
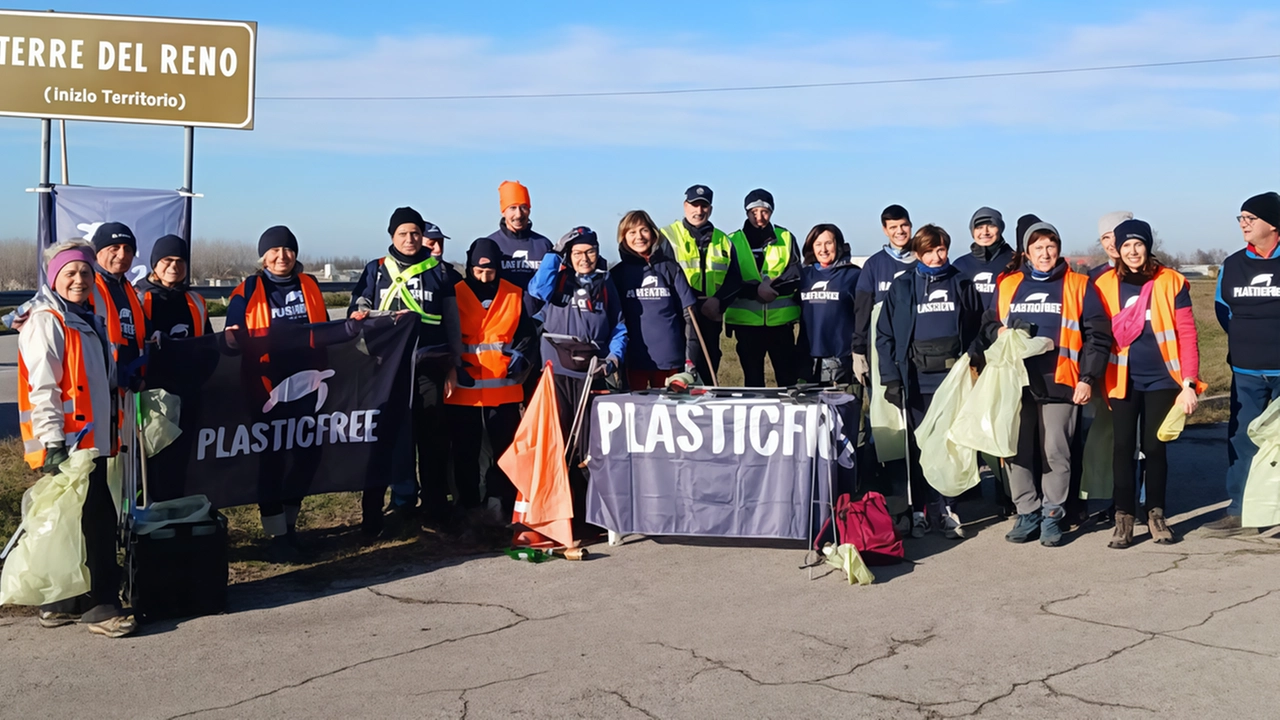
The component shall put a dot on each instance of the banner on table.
(732, 467)
(299, 410)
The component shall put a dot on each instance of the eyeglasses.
(1246, 219)
(589, 253)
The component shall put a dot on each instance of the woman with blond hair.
(656, 298)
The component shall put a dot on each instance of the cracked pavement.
(662, 628)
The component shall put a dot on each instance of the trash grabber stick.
(142, 458)
(906, 438)
(702, 342)
(572, 443)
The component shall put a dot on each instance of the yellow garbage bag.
(988, 420)
(846, 558)
(1262, 489)
(1174, 423)
(48, 563)
(887, 428)
(949, 468)
(1097, 464)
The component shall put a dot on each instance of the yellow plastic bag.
(47, 565)
(1096, 475)
(847, 559)
(887, 427)
(1262, 489)
(988, 420)
(1174, 423)
(949, 468)
(160, 414)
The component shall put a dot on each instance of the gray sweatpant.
(1045, 431)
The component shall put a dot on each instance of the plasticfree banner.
(78, 211)
(300, 410)
(723, 467)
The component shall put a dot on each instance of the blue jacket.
(587, 308)
(904, 341)
(873, 285)
(827, 308)
(655, 293)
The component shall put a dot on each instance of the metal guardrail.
(11, 298)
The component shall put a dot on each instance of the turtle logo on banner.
(298, 386)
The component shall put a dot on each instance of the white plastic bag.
(189, 509)
(1262, 489)
(988, 420)
(949, 468)
(887, 428)
(160, 415)
(48, 563)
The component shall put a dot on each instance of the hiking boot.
(1227, 526)
(1051, 522)
(1160, 532)
(1025, 528)
(919, 525)
(114, 627)
(1122, 536)
(57, 619)
(949, 522)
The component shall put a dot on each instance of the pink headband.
(62, 259)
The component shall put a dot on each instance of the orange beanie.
(511, 193)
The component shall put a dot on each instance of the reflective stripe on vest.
(690, 258)
(257, 310)
(400, 290)
(77, 403)
(1070, 338)
(1168, 284)
(111, 314)
(486, 333)
(786, 308)
(195, 306)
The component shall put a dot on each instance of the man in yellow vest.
(703, 252)
(760, 291)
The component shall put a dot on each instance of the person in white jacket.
(66, 387)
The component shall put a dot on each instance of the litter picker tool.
(697, 329)
(571, 445)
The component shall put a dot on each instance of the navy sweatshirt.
(284, 297)
(983, 266)
(826, 307)
(170, 313)
(873, 285)
(927, 320)
(430, 290)
(522, 255)
(1146, 365)
(587, 308)
(1248, 308)
(655, 293)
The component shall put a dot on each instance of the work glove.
(464, 378)
(129, 376)
(562, 245)
(54, 455)
(680, 382)
(1020, 324)
(519, 364)
(862, 369)
(893, 393)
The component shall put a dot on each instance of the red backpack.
(867, 525)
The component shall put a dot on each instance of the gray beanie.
(1107, 223)
(987, 215)
(1026, 234)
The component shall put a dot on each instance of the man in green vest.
(760, 291)
(703, 252)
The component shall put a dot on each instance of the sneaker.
(1025, 528)
(114, 627)
(1051, 526)
(1228, 526)
(57, 619)
(919, 525)
(949, 522)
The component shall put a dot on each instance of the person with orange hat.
(522, 252)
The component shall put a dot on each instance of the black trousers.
(779, 343)
(1147, 409)
(98, 522)
(425, 473)
(469, 426)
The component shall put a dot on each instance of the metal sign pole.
(188, 172)
(62, 146)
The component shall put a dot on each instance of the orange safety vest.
(257, 312)
(1168, 283)
(111, 314)
(1070, 337)
(485, 334)
(77, 405)
(195, 304)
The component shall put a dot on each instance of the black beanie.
(170, 246)
(1266, 206)
(1134, 230)
(113, 233)
(484, 253)
(756, 197)
(1025, 222)
(277, 236)
(406, 215)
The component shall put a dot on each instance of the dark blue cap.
(698, 193)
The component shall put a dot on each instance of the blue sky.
(1181, 147)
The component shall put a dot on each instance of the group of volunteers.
(1123, 337)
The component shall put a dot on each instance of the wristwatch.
(1189, 383)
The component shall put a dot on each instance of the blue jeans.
(1250, 395)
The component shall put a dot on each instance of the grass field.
(330, 523)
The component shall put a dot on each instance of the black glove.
(519, 364)
(1020, 324)
(54, 455)
(893, 393)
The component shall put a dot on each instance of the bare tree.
(222, 259)
(19, 265)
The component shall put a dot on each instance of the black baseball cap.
(698, 193)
